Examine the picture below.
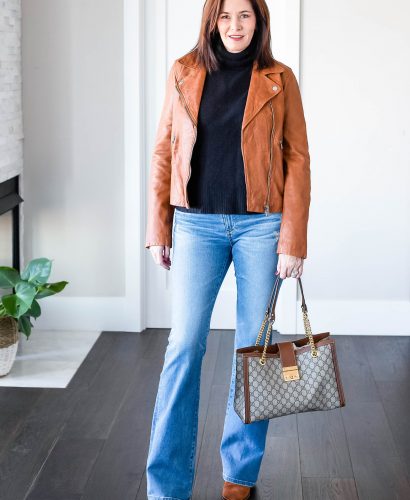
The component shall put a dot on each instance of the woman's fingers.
(161, 255)
(289, 266)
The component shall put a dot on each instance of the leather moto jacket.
(274, 148)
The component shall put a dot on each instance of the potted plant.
(17, 308)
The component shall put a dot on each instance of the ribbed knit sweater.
(217, 181)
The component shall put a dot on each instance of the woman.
(229, 181)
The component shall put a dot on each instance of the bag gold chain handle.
(270, 317)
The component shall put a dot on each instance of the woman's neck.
(232, 60)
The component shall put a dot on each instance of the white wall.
(78, 179)
(73, 148)
(355, 79)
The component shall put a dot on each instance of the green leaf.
(35, 309)
(10, 304)
(9, 277)
(25, 293)
(24, 326)
(19, 303)
(50, 289)
(37, 271)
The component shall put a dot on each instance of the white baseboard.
(89, 313)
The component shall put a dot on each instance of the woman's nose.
(235, 25)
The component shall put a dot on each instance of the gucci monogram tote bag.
(286, 377)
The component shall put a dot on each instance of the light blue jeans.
(204, 245)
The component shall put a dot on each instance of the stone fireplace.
(11, 133)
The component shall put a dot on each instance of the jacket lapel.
(261, 89)
(190, 84)
(264, 85)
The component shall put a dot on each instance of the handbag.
(286, 377)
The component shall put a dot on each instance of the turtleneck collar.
(234, 60)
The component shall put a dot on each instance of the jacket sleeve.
(160, 212)
(296, 161)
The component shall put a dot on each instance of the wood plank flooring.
(89, 441)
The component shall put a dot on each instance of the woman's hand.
(160, 254)
(289, 266)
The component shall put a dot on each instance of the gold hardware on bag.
(308, 332)
(290, 373)
(270, 315)
(261, 329)
(262, 359)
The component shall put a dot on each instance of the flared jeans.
(204, 245)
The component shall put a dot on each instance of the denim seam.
(221, 275)
(238, 481)
(154, 418)
(195, 436)
(228, 227)
(233, 223)
(220, 279)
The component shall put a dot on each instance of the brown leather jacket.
(274, 149)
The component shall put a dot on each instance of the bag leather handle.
(270, 319)
(274, 296)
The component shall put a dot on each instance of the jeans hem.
(238, 481)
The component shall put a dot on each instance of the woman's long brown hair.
(203, 49)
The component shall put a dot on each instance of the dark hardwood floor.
(90, 440)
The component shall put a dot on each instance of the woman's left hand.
(289, 266)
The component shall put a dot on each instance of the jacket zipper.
(193, 143)
(243, 158)
(270, 159)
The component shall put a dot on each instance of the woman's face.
(237, 17)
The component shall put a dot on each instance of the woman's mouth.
(236, 37)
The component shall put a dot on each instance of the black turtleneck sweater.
(217, 182)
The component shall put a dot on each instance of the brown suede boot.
(233, 491)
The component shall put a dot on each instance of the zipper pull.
(266, 210)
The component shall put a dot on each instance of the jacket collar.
(264, 85)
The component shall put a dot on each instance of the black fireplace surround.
(9, 202)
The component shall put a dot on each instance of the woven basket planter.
(9, 338)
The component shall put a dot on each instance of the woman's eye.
(226, 17)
